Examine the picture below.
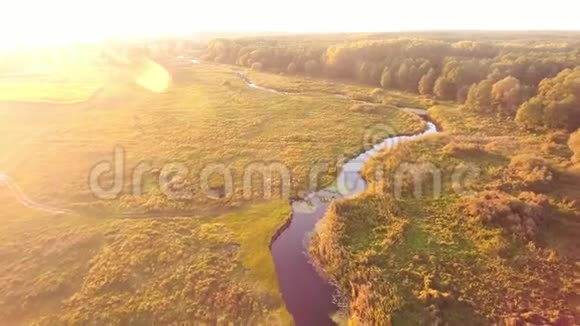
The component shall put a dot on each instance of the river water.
(307, 294)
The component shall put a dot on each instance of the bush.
(363, 97)
(369, 108)
(529, 172)
(457, 149)
(377, 92)
(521, 216)
(257, 66)
(574, 144)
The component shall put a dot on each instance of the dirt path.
(6, 181)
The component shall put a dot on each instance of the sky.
(40, 22)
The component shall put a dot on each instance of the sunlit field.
(55, 77)
(116, 260)
(206, 118)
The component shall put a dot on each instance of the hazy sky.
(49, 21)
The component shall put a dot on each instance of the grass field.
(38, 80)
(421, 259)
(207, 117)
(209, 260)
(49, 92)
(77, 270)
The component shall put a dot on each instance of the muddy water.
(308, 296)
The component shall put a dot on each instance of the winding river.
(307, 294)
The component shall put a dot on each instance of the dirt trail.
(6, 181)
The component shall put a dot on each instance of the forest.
(504, 76)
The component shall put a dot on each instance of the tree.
(462, 94)
(362, 72)
(562, 114)
(479, 97)
(291, 69)
(507, 95)
(386, 78)
(403, 75)
(530, 114)
(444, 89)
(311, 67)
(574, 144)
(427, 82)
(557, 104)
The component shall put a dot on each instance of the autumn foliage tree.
(386, 78)
(444, 68)
(311, 67)
(291, 69)
(531, 114)
(507, 95)
(557, 104)
(427, 82)
(479, 97)
(574, 144)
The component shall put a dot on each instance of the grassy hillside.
(504, 225)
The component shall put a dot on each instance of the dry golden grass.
(441, 266)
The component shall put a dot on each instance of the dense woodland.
(532, 80)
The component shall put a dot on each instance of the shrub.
(369, 108)
(363, 97)
(574, 144)
(377, 93)
(529, 172)
(257, 66)
(521, 216)
(457, 149)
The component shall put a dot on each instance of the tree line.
(532, 81)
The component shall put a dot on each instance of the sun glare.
(28, 23)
